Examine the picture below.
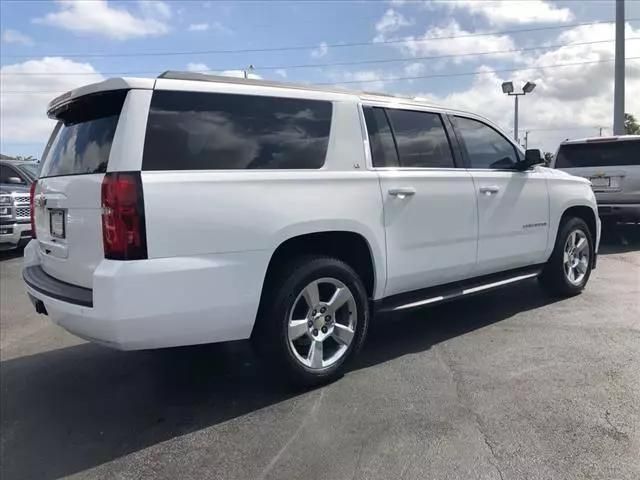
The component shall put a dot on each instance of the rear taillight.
(123, 228)
(32, 205)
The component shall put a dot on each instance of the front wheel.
(567, 271)
(314, 318)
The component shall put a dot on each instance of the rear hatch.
(612, 166)
(67, 196)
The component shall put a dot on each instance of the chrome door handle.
(402, 192)
(489, 190)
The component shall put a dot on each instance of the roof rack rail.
(205, 77)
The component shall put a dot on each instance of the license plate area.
(600, 182)
(57, 222)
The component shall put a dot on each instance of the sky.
(454, 53)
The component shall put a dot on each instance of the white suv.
(192, 209)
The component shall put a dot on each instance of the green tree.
(631, 126)
(28, 158)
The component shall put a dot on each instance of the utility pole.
(601, 130)
(526, 139)
(515, 119)
(618, 93)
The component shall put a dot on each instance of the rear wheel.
(567, 271)
(314, 318)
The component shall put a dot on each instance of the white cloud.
(390, 22)
(204, 68)
(13, 36)
(321, 51)
(213, 26)
(98, 17)
(501, 12)
(198, 27)
(414, 69)
(155, 8)
(372, 80)
(431, 43)
(568, 102)
(23, 117)
(282, 72)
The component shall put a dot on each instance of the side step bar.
(451, 291)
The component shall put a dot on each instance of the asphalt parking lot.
(509, 385)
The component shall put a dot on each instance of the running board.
(451, 291)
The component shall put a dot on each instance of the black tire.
(270, 336)
(553, 278)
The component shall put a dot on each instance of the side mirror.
(532, 157)
(15, 180)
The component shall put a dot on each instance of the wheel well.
(586, 214)
(352, 248)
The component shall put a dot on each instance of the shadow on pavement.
(10, 254)
(67, 410)
(620, 238)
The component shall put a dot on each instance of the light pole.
(618, 90)
(507, 87)
(248, 70)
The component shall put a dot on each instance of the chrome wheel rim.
(576, 257)
(322, 323)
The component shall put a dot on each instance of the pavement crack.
(455, 376)
(357, 469)
(493, 462)
(311, 415)
(617, 434)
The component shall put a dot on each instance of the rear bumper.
(620, 210)
(12, 234)
(155, 303)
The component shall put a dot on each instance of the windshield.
(599, 154)
(30, 170)
(81, 142)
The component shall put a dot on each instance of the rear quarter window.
(595, 154)
(217, 131)
(81, 142)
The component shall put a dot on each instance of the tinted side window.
(7, 172)
(486, 148)
(421, 139)
(383, 148)
(197, 130)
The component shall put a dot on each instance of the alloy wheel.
(322, 323)
(576, 257)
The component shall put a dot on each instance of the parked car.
(15, 211)
(194, 209)
(612, 164)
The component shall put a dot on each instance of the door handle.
(402, 192)
(489, 190)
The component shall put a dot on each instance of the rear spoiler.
(59, 103)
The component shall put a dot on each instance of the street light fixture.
(507, 87)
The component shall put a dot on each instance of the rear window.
(81, 142)
(216, 131)
(599, 154)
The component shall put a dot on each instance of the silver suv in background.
(15, 212)
(612, 164)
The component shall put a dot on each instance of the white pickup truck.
(190, 209)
